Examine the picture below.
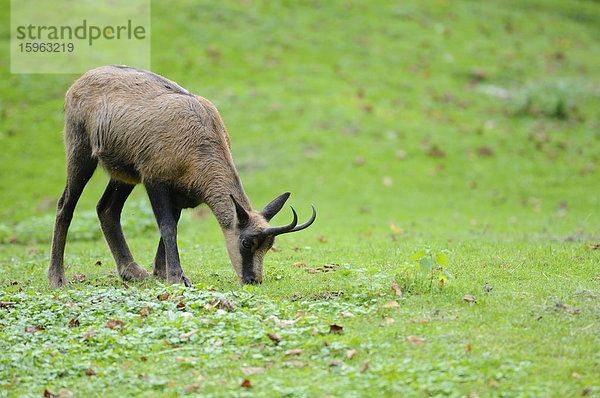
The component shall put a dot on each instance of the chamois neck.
(217, 197)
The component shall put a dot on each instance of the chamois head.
(251, 237)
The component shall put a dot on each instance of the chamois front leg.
(159, 194)
(159, 266)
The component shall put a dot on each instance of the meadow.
(451, 151)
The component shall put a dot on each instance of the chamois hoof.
(133, 272)
(57, 280)
(180, 279)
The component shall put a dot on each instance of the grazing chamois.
(146, 129)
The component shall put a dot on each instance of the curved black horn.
(308, 223)
(273, 231)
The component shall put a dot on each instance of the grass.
(462, 127)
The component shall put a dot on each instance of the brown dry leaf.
(90, 372)
(125, 364)
(312, 271)
(163, 296)
(315, 331)
(595, 246)
(78, 277)
(32, 251)
(235, 357)
(63, 392)
(252, 370)
(188, 334)
(246, 383)
(396, 288)
(395, 229)
(6, 304)
(218, 343)
(299, 264)
(299, 364)
(180, 306)
(586, 390)
(414, 340)
(126, 285)
(74, 323)
(596, 278)
(391, 304)
(576, 375)
(49, 393)
(89, 333)
(436, 152)
(275, 338)
(323, 239)
(113, 323)
(34, 329)
(98, 263)
(335, 328)
(351, 353)
(222, 303)
(191, 388)
(387, 181)
(388, 320)
(485, 151)
(335, 362)
(440, 283)
(364, 367)
(145, 311)
(468, 349)
(186, 359)
(274, 249)
(469, 298)
(295, 351)
(347, 314)
(299, 314)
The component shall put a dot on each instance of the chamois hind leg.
(159, 194)
(80, 168)
(159, 266)
(109, 213)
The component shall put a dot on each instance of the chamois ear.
(241, 215)
(274, 206)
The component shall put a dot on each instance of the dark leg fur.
(80, 168)
(109, 212)
(160, 199)
(159, 268)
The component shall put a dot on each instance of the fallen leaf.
(295, 351)
(180, 305)
(113, 323)
(163, 296)
(6, 304)
(125, 364)
(79, 277)
(188, 334)
(391, 304)
(414, 340)
(222, 303)
(469, 298)
(252, 370)
(63, 392)
(299, 364)
(90, 372)
(74, 323)
(335, 328)
(34, 329)
(594, 246)
(395, 229)
(299, 314)
(274, 249)
(586, 390)
(186, 359)
(436, 152)
(191, 388)
(440, 283)
(246, 383)
(315, 331)
(351, 353)
(235, 357)
(396, 288)
(98, 263)
(388, 320)
(145, 311)
(126, 285)
(485, 151)
(323, 239)
(387, 181)
(335, 362)
(88, 333)
(576, 375)
(275, 338)
(364, 367)
(347, 314)
(49, 393)
(468, 349)
(299, 264)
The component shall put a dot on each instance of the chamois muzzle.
(291, 227)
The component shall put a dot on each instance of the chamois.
(144, 128)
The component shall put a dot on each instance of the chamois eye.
(246, 244)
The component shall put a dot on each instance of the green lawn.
(470, 129)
